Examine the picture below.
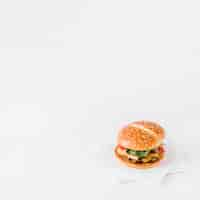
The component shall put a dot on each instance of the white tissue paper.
(118, 173)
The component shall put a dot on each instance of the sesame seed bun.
(141, 135)
(131, 164)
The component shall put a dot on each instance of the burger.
(139, 145)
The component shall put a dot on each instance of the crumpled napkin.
(104, 158)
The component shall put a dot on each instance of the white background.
(73, 72)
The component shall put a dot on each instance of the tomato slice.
(121, 147)
(161, 149)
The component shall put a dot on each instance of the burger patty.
(141, 156)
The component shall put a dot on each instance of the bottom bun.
(129, 163)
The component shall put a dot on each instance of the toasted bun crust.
(141, 135)
(129, 163)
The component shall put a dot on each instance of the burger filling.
(147, 156)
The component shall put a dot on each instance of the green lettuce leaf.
(140, 154)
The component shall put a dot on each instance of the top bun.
(141, 135)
